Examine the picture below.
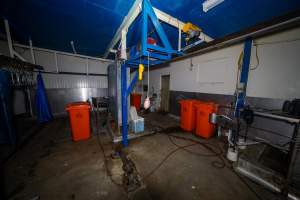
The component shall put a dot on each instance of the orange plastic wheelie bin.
(187, 114)
(203, 127)
(79, 114)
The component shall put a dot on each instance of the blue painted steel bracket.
(242, 86)
(158, 54)
(132, 84)
(125, 92)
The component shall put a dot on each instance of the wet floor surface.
(51, 166)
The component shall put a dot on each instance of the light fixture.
(209, 4)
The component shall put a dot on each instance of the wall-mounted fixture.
(209, 4)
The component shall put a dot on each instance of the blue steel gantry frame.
(148, 53)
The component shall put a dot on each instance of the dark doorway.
(165, 93)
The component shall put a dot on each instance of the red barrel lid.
(136, 94)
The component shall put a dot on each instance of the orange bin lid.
(206, 105)
(188, 101)
(78, 105)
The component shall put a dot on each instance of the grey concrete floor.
(51, 166)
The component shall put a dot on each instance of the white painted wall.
(277, 76)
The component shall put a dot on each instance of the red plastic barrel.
(187, 114)
(135, 100)
(204, 128)
(79, 113)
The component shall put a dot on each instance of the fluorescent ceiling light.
(209, 4)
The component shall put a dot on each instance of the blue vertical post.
(241, 93)
(144, 29)
(124, 104)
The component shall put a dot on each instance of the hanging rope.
(147, 103)
(148, 75)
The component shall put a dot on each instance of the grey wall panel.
(176, 96)
(19, 103)
(256, 102)
(281, 130)
(98, 67)
(74, 81)
(278, 132)
(4, 48)
(59, 98)
(266, 103)
(71, 64)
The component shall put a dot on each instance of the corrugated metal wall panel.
(55, 81)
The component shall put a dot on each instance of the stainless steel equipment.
(114, 92)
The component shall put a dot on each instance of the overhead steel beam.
(131, 16)
(162, 16)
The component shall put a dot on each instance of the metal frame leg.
(124, 105)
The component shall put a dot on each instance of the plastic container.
(187, 114)
(204, 128)
(135, 100)
(79, 113)
(137, 125)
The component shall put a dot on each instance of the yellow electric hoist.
(192, 31)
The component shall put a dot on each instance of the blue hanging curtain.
(7, 134)
(43, 109)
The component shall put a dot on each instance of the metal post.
(242, 85)
(10, 47)
(124, 104)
